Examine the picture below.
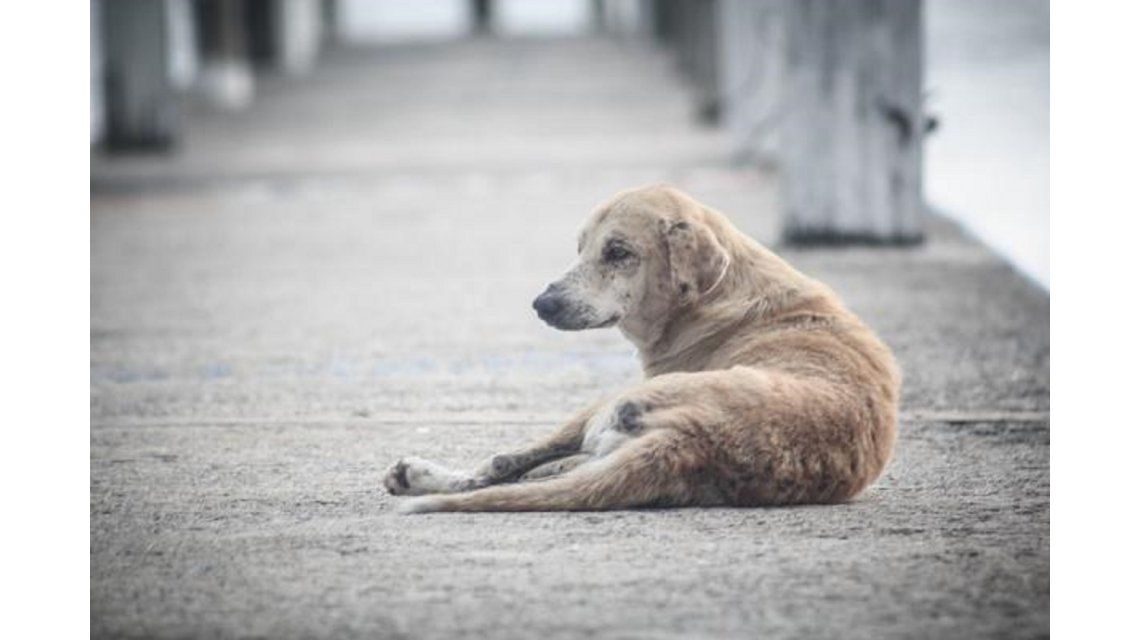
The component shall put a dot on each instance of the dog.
(760, 388)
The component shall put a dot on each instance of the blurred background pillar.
(330, 16)
(299, 29)
(481, 17)
(753, 40)
(285, 35)
(227, 76)
(665, 19)
(598, 15)
(98, 112)
(141, 111)
(697, 48)
(623, 18)
(853, 125)
(830, 93)
(182, 43)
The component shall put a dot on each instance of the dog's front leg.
(564, 441)
(415, 476)
(557, 467)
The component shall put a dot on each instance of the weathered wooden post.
(284, 35)
(689, 29)
(299, 30)
(141, 110)
(833, 93)
(98, 110)
(227, 76)
(666, 21)
(753, 43)
(598, 15)
(853, 127)
(481, 17)
(330, 15)
(703, 56)
(622, 18)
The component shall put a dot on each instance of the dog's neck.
(758, 287)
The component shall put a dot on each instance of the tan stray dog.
(761, 388)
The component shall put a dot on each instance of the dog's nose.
(548, 304)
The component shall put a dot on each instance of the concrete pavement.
(342, 276)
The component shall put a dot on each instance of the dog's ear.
(697, 262)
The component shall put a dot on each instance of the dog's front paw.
(396, 480)
(416, 476)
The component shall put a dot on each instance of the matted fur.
(760, 389)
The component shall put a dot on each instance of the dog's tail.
(652, 470)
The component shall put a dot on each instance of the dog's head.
(642, 256)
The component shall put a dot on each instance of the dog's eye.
(616, 253)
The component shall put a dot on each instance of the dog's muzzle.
(561, 311)
(550, 305)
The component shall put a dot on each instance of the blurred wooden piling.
(827, 91)
(140, 111)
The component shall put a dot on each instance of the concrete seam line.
(921, 416)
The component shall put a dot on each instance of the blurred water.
(394, 20)
(988, 163)
(365, 21)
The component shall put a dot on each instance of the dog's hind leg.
(658, 468)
